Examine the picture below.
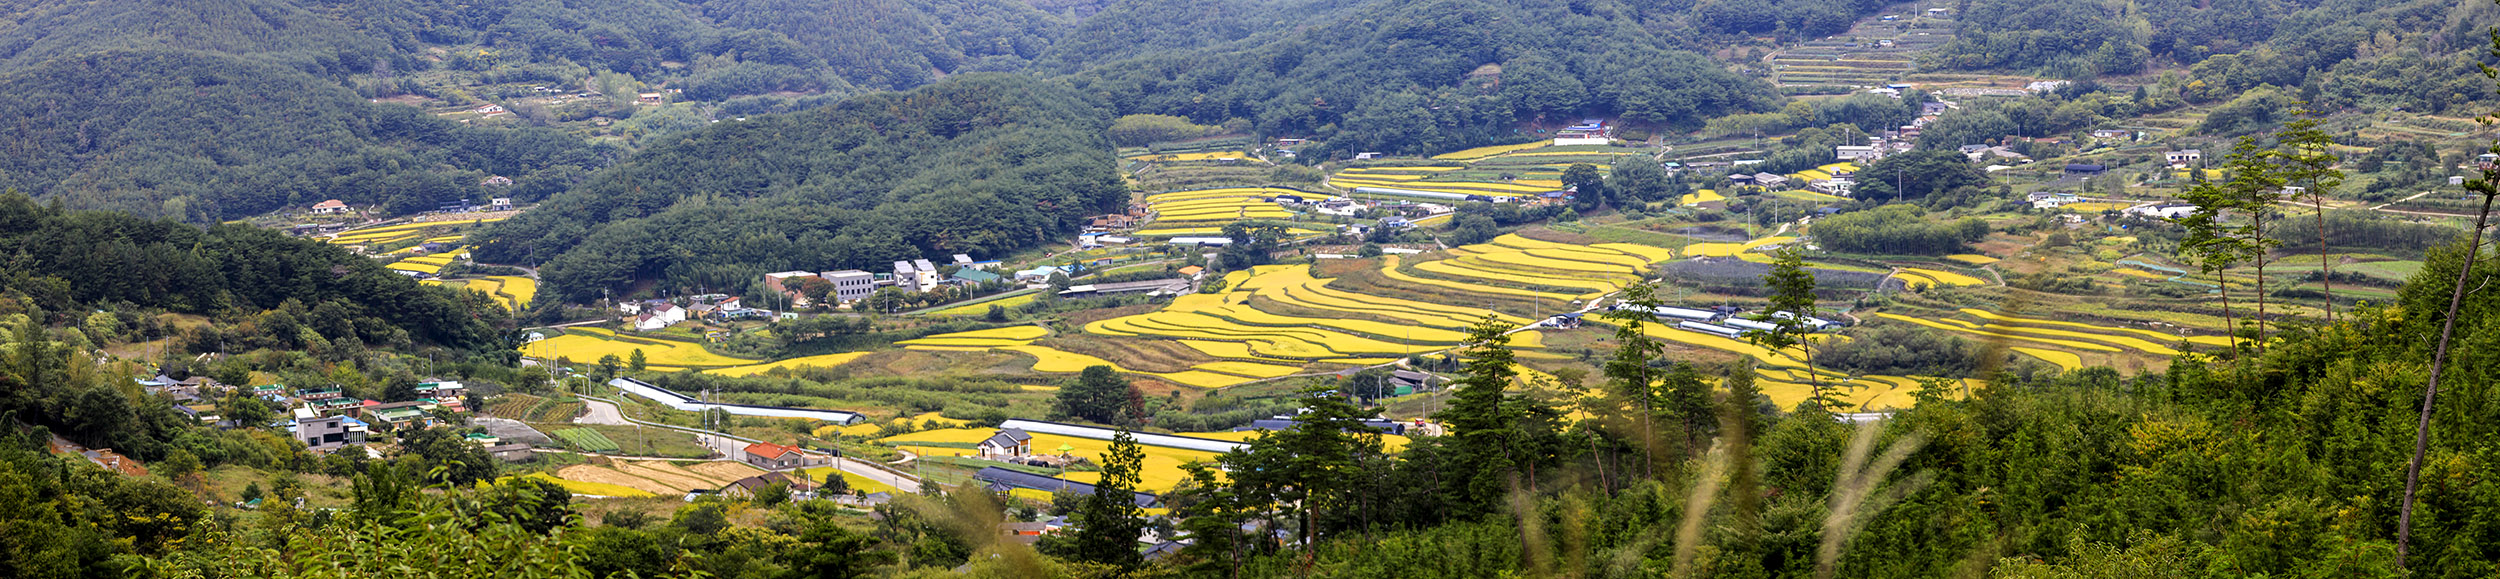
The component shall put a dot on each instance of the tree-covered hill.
(1436, 75)
(72, 262)
(207, 137)
(980, 164)
(2412, 48)
(39, 30)
(737, 46)
(1137, 27)
(894, 44)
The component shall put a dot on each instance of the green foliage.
(1900, 350)
(1108, 521)
(1395, 76)
(1100, 395)
(2072, 38)
(1899, 228)
(1142, 130)
(869, 181)
(208, 138)
(440, 455)
(1941, 177)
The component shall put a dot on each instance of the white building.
(658, 317)
(1858, 152)
(2162, 210)
(2184, 158)
(851, 285)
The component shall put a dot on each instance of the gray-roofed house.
(1006, 443)
(1002, 480)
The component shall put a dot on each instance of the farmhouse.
(2047, 200)
(659, 316)
(1006, 443)
(2183, 158)
(1769, 181)
(773, 456)
(1039, 274)
(331, 207)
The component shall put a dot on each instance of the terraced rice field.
(583, 345)
(1700, 197)
(2095, 206)
(820, 361)
(582, 488)
(975, 309)
(2067, 361)
(1161, 472)
(1493, 151)
(2219, 341)
(1206, 156)
(1916, 277)
(514, 292)
(1972, 258)
(1225, 204)
(1732, 249)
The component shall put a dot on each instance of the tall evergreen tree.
(1792, 301)
(2489, 187)
(1108, 522)
(1309, 469)
(1480, 426)
(2307, 158)
(1628, 372)
(2212, 243)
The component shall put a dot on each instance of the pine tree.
(2307, 157)
(1211, 514)
(1628, 372)
(1792, 301)
(2212, 244)
(2254, 187)
(1480, 430)
(637, 362)
(1309, 469)
(2489, 186)
(1107, 523)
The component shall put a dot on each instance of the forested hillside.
(1434, 76)
(977, 164)
(2419, 51)
(897, 44)
(763, 45)
(68, 262)
(205, 137)
(1137, 27)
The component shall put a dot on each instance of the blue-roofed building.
(1002, 480)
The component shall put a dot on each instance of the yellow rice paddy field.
(821, 361)
(583, 345)
(1489, 152)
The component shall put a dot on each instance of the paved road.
(600, 412)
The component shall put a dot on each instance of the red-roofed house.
(332, 206)
(773, 456)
